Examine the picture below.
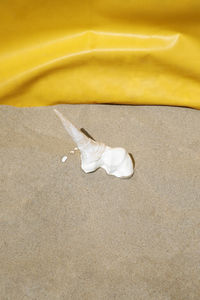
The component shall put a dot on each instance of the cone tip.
(56, 111)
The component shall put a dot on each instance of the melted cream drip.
(64, 158)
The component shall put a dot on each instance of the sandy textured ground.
(68, 235)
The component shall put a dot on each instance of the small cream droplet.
(64, 159)
(75, 149)
(72, 152)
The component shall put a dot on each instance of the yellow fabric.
(100, 51)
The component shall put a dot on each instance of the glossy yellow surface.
(100, 51)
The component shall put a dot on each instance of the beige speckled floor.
(69, 235)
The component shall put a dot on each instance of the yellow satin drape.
(100, 51)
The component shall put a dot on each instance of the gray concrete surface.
(69, 235)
